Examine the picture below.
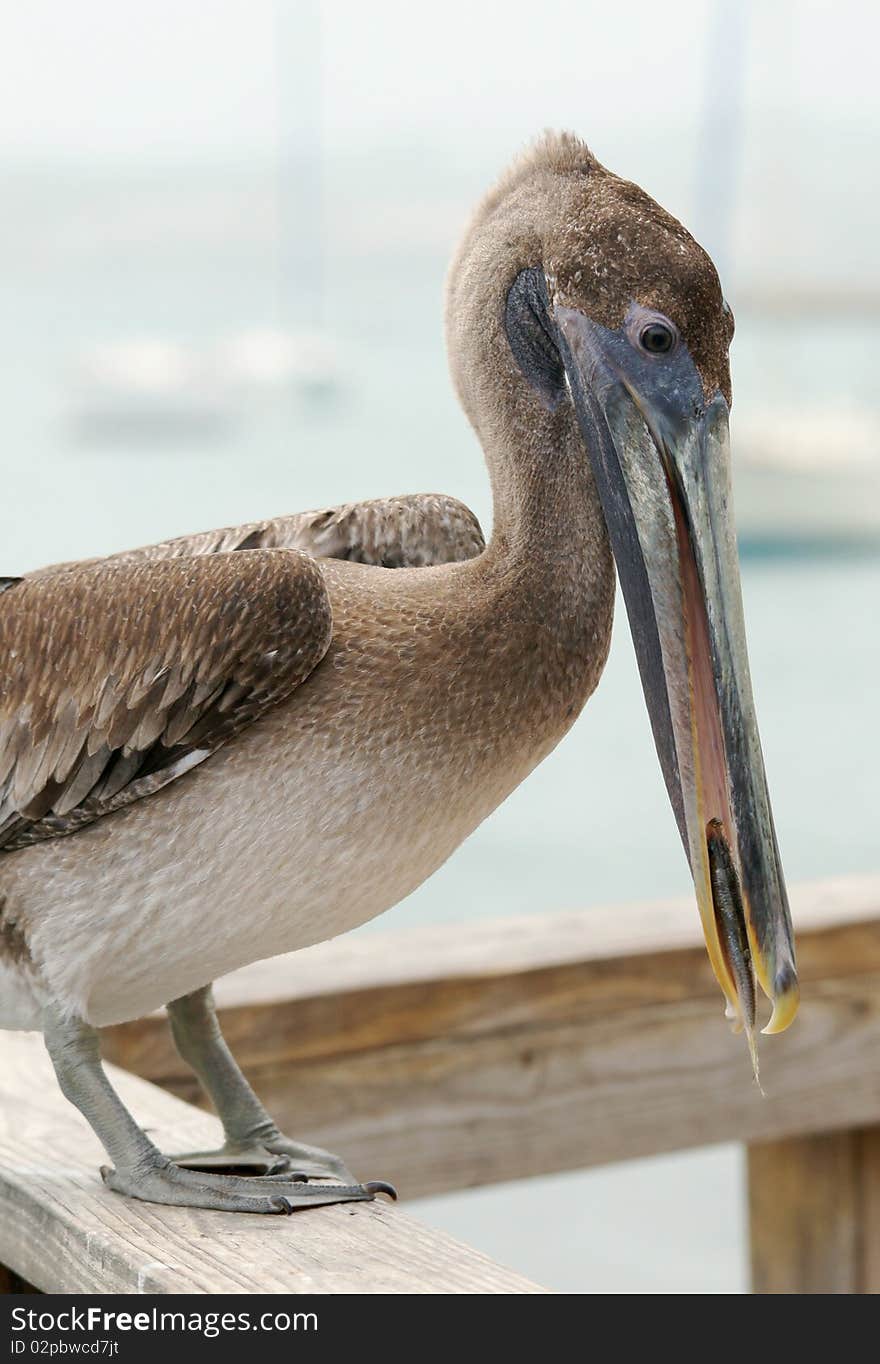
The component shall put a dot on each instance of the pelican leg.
(253, 1142)
(141, 1170)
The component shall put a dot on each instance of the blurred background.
(223, 240)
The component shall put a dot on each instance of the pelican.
(242, 742)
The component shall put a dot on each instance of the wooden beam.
(814, 1212)
(63, 1231)
(463, 1054)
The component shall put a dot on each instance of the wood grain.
(61, 1230)
(461, 1055)
(814, 1212)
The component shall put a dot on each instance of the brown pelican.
(236, 744)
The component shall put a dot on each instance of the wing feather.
(414, 531)
(122, 674)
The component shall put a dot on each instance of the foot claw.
(377, 1186)
(282, 1205)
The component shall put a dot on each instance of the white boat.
(807, 477)
(149, 390)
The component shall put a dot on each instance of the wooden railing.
(461, 1055)
(61, 1231)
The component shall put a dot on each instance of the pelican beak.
(660, 454)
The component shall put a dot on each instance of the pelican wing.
(120, 675)
(413, 531)
(394, 532)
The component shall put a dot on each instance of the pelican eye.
(657, 338)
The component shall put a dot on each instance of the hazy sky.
(755, 120)
(111, 78)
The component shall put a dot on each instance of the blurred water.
(673, 1224)
(566, 837)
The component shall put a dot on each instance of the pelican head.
(606, 320)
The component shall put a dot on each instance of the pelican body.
(242, 742)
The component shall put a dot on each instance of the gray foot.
(269, 1154)
(238, 1160)
(253, 1144)
(167, 1182)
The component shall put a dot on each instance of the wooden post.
(814, 1213)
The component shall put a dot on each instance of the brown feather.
(131, 670)
(412, 531)
(97, 718)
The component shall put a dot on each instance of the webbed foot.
(166, 1182)
(274, 1156)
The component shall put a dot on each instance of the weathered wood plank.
(456, 1056)
(65, 1233)
(814, 1213)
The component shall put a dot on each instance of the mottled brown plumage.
(13, 943)
(389, 532)
(120, 677)
(601, 242)
(126, 672)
